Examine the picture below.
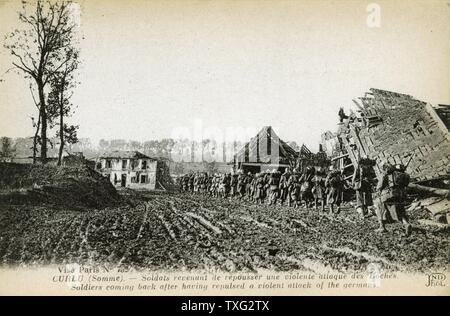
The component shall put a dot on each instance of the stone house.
(130, 169)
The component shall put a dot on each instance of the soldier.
(226, 181)
(306, 187)
(274, 182)
(215, 185)
(197, 182)
(208, 183)
(334, 185)
(362, 185)
(219, 187)
(211, 185)
(293, 189)
(203, 182)
(266, 179)
(233, 184)
(191, 182)
(284, 186)
(318, 189)
(252, 187)
(241, 183)
(392, 186)
(182, 183)
(259, 188)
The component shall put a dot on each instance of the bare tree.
(40, 50)
(59, 103)
(36, 125)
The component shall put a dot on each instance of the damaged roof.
(121, 154)
(285, 152)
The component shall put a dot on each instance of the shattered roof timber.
(304, 151)
(121, 154)
(394, 127)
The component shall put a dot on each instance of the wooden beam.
(435, 191)
(162, 186)
(339, 157)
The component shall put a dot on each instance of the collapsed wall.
(396, 128)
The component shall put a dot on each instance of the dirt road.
(184, 232)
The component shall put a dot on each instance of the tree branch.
(24, 66)
(34, 99)
(24, 70)
(57, 69)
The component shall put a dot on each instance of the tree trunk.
(61, 120)
(38, 126)
(43, 114)
(61, 135)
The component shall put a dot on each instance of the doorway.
(124, 180)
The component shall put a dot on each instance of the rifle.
(404, 167)
(409, 160)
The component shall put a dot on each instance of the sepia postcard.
(224, 148)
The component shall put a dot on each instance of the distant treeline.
(180, 151)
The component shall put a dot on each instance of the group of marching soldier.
(313, 187)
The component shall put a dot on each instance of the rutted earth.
(188, 232)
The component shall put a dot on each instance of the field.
(190, 232)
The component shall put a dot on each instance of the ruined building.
(395, 128)
(265, 151)
(134, 170)
(306, 159)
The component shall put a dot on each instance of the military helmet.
(400, 167)
(388, 167)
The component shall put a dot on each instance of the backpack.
(396, 192)
(399, 179)
(334, 180)
(305, 186)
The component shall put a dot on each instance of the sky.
(155, 69)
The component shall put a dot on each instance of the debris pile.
(433, 208)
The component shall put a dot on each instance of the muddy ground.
(189, 232)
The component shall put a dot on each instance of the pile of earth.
(78, 186)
